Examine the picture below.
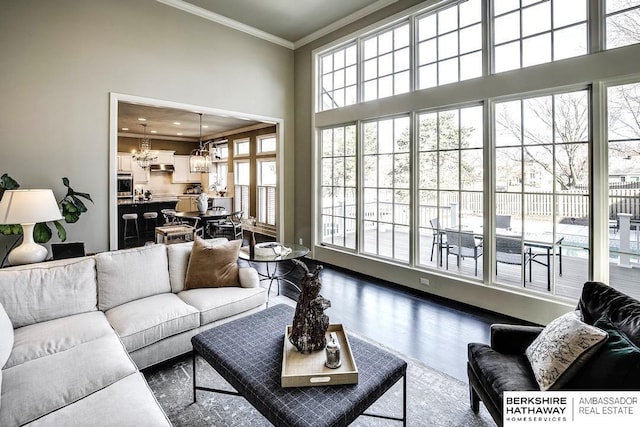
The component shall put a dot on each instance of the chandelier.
(200, 159)
(144, 156)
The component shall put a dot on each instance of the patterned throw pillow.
(561, 350)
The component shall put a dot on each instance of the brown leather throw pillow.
(213, 265)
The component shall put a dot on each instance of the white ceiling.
(288, 22)
(291, 20)
(163, 121)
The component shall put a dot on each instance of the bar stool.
(130, 217)
(150, 217)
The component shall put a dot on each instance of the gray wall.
(61, 59)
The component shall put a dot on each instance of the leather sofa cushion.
(220, 303)
(131, 274)
(145, 321)
(41, 386)
(624, 312)
(127, 402)
(615, 366)
(500, 372)
(54, 336)
(37, 293)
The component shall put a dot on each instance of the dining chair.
(509, 250)
(463, 245)
(231, 227)
(438, 238)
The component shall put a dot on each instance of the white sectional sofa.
(74, 333)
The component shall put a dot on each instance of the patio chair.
(438, 237)
(509, 251)
(503, 221)
(463, 245)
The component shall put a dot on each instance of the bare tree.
(624, 28)
(624, 120)
(558, 130)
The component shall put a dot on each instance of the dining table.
(538, 245)
(200, 219)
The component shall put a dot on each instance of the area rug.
(433, 399)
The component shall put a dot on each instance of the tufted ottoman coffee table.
(247, 353)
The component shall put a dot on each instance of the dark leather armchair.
(503, 366)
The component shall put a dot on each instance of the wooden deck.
(569, 284)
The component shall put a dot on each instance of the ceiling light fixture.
(145, 155)
(199, 159)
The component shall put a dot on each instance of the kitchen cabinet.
(187, 203)
(181, 173)
(127, 164)
(124, 162)
(165, 157)
(140, 175)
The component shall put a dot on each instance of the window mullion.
(595, 18)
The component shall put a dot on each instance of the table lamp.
(28, 207)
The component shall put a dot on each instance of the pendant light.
(199, 159)
(144, 156)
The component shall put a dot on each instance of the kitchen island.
(156, 204)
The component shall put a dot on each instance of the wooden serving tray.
(305, 370)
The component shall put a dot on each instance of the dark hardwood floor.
(432, 330)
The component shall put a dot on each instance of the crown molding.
(343, 22)
(223, 20)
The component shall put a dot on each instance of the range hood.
(161, 168)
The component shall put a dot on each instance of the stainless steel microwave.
(125, 185)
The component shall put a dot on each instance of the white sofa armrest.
(248, 277)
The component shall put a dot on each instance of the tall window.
(387, 58)
(624, 186)
(622, 22)
(267, 180)
(530, 32)
(338, 186)
(386, 196)
(450, 44)
(338, 78)
(461, 168)
(450, 187)
(542, 183)
(242, 177)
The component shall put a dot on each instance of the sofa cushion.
(213, 265)
(500, 372)
(145, 321)
(6, 341)
(47, 338)
(40, 292)
(131, 274)
(624, 312)
(561, 349)
(220, 303)
(615, 366)
(41, 386)
(127, 402)
(179, 261)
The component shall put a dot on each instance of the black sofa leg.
(474, 399)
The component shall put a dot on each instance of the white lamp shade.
(28, 207)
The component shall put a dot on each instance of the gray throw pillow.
(561, 350)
